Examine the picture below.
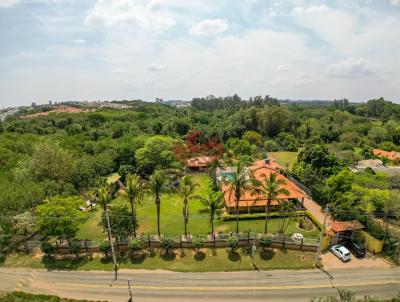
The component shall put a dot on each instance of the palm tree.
(134, 188)
(271, 187)
(213, 204)
(241, 180)
(104, 197)
(187, 188)
(158, 183)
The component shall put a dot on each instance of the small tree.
(47, 248)
(75, 248)
(104, 248)
(167, 244)
(264, 242)
(136, 245)
(198, 244)
(232, 243)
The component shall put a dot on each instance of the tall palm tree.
(271, 187)
(187, 188)
(158, 183)
(213, 204)
(104, 197)
(134, 188)
(241, 180)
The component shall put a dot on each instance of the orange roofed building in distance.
(256, 203)
(392, 155)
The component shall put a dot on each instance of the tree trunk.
(266, 216)
(237, 195)
(133, 218)
(158, 214)
(212, 225)
(185, 217)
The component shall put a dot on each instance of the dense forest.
(69, 154)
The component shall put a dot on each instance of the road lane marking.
(240, 288)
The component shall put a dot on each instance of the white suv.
(341, 252)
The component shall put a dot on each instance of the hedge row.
(255, 216)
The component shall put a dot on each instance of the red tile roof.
(392, 155)
(259, 169)
(341, 226)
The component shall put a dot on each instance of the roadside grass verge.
(219, 259)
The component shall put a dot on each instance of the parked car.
(341, 252)
(357, 249)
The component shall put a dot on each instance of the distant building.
(392, 155)
(159, 100)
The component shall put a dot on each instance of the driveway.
(316, 210)
(330, 261)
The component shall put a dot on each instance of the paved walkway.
(316, 210)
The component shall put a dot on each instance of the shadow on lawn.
(52, 263)
(199, 256)
(168, 256)
(267, 254)
(234, 256)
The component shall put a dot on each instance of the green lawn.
(172, 220)
(285, 158)
(210, 260)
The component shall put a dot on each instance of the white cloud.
(154, 4)
(209, 27)
(155, 67)
(8, 3)
(121, 12)
(80, 41)
(395, 2)
(351, 68)
(283, 68)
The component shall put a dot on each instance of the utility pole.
(112, 246)
(130, 291)
(320, 238)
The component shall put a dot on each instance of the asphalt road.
(164, 286)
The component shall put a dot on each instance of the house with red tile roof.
(392, 155)
(256, 203)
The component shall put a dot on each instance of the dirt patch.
(61, 109)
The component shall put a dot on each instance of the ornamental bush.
(232, 243)
(104, 248)
(264, 242)
(47, 248)
(75, 248)
(167, 244)
(197, 243)
(136, 245)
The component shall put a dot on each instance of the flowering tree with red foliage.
(197, 143)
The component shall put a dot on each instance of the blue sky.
(179, 49)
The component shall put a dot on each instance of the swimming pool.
(227, 175)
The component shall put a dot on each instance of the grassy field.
(285, 158)
(172, 221)
(208, 260)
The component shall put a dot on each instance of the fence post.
(248, 238)
(148, 239)
(116, 239)
(180, 242)
(214, 240)
(301, 246)
(283, 243)
(86, 247)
